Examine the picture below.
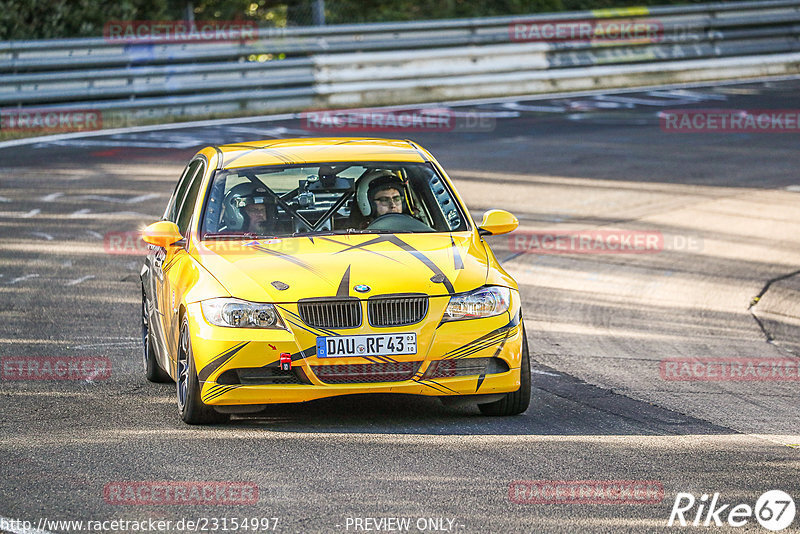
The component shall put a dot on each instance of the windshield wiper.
(249, 235)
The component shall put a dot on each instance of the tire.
(191, 409)
(516, 402)
(152, 370)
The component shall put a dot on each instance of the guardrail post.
(318, 12)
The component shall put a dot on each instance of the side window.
(180, 191)
(185, 209)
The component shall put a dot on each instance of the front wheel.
(518, 401)
(152, 370)
(190, 407)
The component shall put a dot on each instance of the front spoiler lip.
(291, 393)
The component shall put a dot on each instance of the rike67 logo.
(774, 510)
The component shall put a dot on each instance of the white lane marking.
(130, 214)
(142, 198)
(527, 107)
(795, 188)
(32, 213)
(17, 527)
(537, 372)
(51, 197)
(114, 344)
(276, 132)
(92, 233)
(22, 278)
(688, 96)
(43, 235)
(80, 212)
(103, 143)
(80, 280)
(658, 102)
(132, 200)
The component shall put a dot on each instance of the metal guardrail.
(371, 63)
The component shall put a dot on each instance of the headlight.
(486, 301)
(240, 313)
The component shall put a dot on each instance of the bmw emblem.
(361, 288)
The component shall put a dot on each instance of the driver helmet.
(242, 195)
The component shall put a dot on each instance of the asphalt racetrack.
(601, 329)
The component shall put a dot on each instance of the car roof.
(317, 150)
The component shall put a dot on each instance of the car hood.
(286, 270)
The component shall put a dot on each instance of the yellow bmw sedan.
(291, 270)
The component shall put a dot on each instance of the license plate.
(366, 345)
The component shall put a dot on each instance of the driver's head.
(256, 210)
(386, 196)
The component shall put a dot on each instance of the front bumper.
(219, 350)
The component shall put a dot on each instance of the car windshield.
(333, 198)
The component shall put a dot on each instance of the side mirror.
(162, 234)
(497, 222)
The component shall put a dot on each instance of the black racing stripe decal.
(439, 387)
(292, 259)
(212, 389)
(480, 381)
(303, 354)
(469, 348)
(298, 325)
(344, 285)
(363, 250)
(223, 389)
(425, 260)
(483, 342)
(425, 383)
(442, 386)
(474, 350)
(502, 344)
(219, 361)
(457, 261)
(314, 330)
(411, 250)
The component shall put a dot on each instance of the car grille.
(396, 311)
(330, 313)
(465, 367)
(366, 372)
